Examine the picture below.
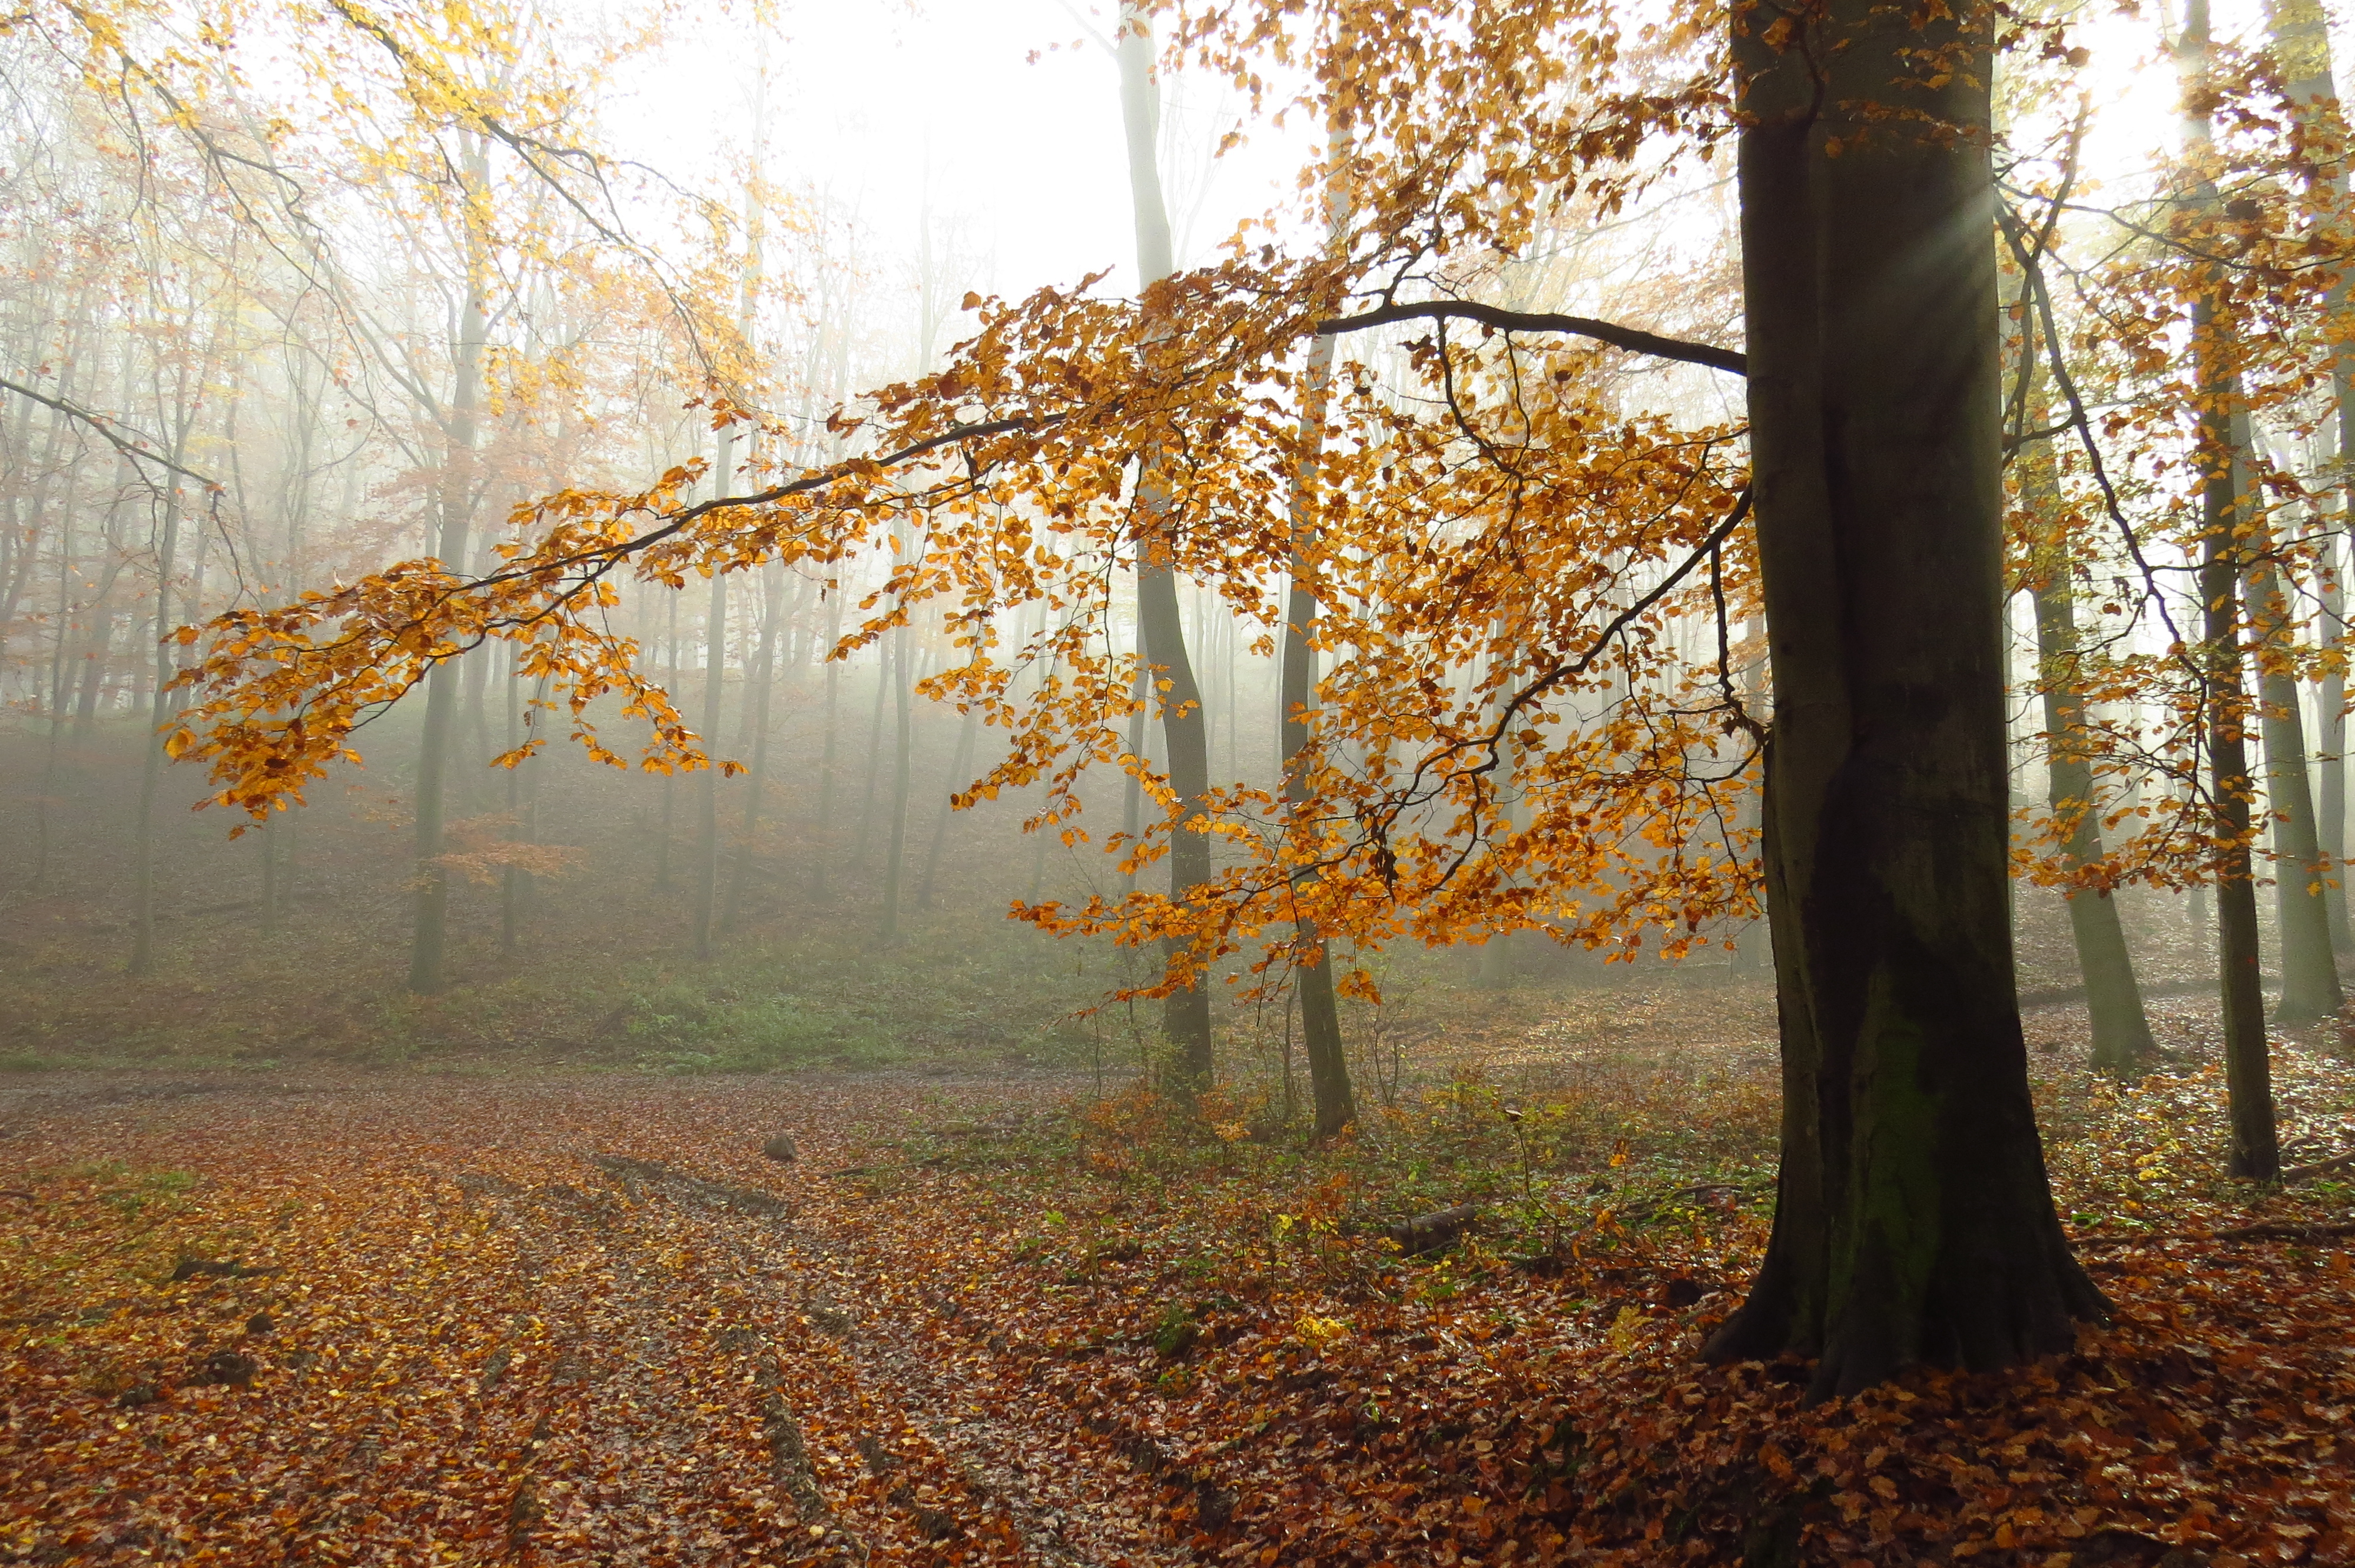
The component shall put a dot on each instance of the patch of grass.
(684, 1028)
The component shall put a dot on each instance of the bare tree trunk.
(884, 650)
(958, 779)
(707, 794)
(457, 500)
(2248, 1069)
(2330, 711)
(896, 853)
(671, 780)
(2301, 43)
(757, 703)
(1312, 963)
(510, 916)
(151, 770)
(2122, 1038)
(822, 831)
(2310, 969)
(1915, 1220)
(1186, 1016)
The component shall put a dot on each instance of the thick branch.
(1632, 339)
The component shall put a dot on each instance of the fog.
(299, 328)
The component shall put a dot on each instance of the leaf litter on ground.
(581, 1319)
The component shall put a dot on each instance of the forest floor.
(558, 1317)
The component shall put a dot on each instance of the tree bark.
(2300, 35)
(2330, 714)
(896, 849)
(2122, 1038)
(757, 705)
(2248, 1068)
(822, 831)
(457, 501)
(715, 676)
(1914, 1221)
(1185, 1014)
(2310, 969)
(150, 767)
(670, 779)
(1312, 968)
(959, 777)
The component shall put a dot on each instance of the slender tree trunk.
(98, 648)
(60, 667)
(2122, 1038)
(707, 794)
(510, 878)
(1186, 1015)
(671, 780)
(2300, 34)
(959, 777)
(822, 831)
(1132, 810)
(457, 500)
(2310, 969)
(884, 650)
(1312, 970)
(2248, 1068)
(2330, 712)
(1913, 1218)
(896, 851)
(758, 703)
(151, 770)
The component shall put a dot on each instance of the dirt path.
(434, 1321)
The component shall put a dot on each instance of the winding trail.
(571, 1320)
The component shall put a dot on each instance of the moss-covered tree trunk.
(1914, 1221)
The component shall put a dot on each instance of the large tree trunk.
(1914, 1221)
(1186, 1015)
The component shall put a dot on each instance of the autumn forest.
(1127, 782)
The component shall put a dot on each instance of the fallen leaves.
(589, 1320)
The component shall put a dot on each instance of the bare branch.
(105, 427)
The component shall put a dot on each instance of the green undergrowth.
(1561, 1177)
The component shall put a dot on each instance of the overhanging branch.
(1634, 340)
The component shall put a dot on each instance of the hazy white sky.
(875, 102)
